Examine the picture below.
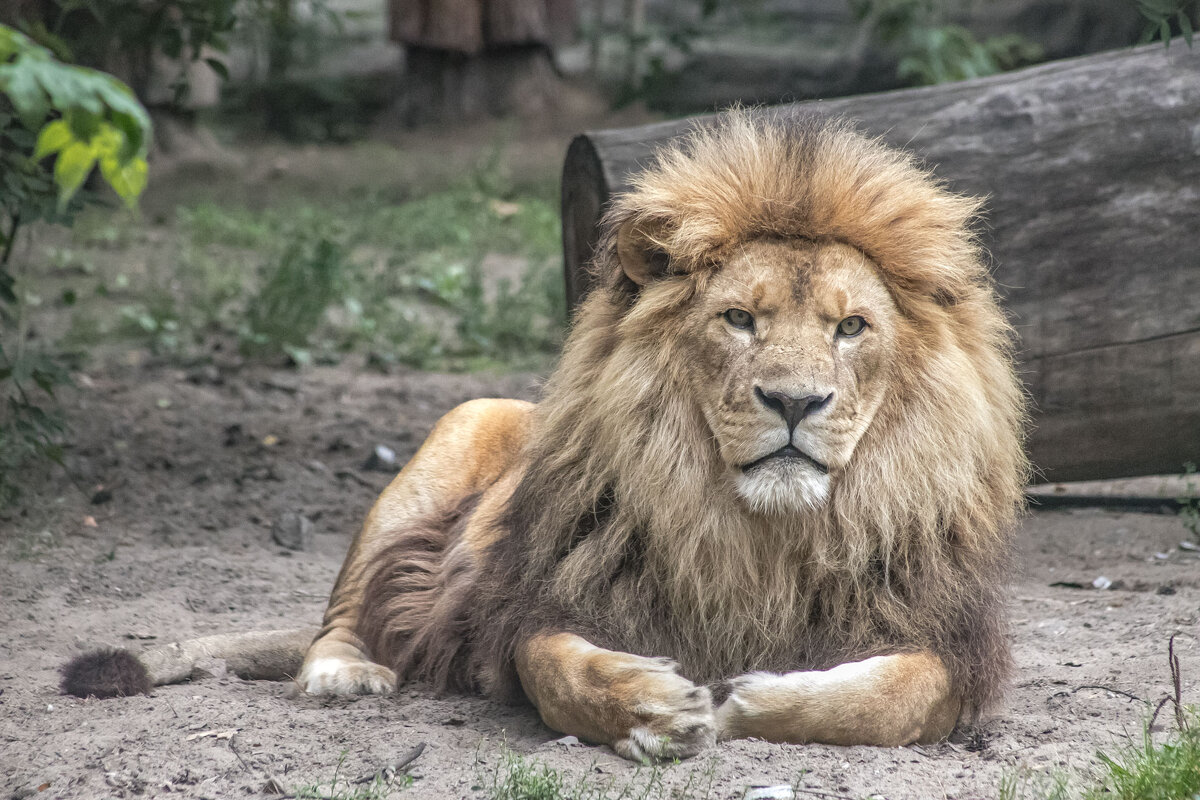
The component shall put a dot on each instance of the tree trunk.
(470, 58)
(1092, 170)
(444, 86)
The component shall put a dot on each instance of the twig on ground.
(819, 793)
(234, 750)
(1176, 695)
(389, 771)
(354, 476)
(1107, 689)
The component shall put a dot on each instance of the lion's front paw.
(342, 677)
(749, 698)
(673, 716)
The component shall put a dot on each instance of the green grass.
(516, 777)
(1146, 769)
(412, 282)
(339, 788)
(1189, 505)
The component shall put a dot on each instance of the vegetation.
(1164, 16)
(402, 282)
(339, 788)
(518, 778)
(1145, 769)
(1189, 503)
(138, 31)
(1142, 770)
(78, 119)
(932, 49)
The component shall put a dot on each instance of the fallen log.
(1091, 168)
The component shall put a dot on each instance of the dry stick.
(234, 750)
(273, 784)
(381, 774)
(819, 793)
(1176, 686)
(395, 769)
(354, 476)
(1177, 682)
(1107, 689)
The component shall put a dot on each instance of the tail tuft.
(105, 673)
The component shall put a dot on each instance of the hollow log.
(1091, 168)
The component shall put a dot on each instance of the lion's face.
(790, 348)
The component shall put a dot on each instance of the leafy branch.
(1160, 13)
(80, 119)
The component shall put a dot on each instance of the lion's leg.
(466, 452)
(639, 706)
(885, 701)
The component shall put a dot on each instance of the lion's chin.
(786, 487)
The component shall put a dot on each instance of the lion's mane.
(623, 527)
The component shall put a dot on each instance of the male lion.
(781, 456)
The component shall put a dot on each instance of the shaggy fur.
(416, 614)
(620, 528)
(105, 673)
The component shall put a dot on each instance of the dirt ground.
(166, 534)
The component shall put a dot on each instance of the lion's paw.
(750, 696)
(674, 716)
(340, 677)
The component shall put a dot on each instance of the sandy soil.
(196, 465)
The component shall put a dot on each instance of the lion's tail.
(262, 655)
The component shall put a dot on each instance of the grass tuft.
(465, 278)
(519, 778)
(1149, 770)
(339, 788)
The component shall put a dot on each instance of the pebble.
(293, 531)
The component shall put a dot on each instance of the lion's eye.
(739, 318)
(851, 326)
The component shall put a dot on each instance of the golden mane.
(621, 527)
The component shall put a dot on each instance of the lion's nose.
(792, 409)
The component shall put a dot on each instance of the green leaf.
(127, 180)
(1185, 25)
(44, 380)
(135, 135)
(83, 124)
(54, 137)
(54, 452)
(1164, 30)
(218, 67)
(20, 83)
(71, 169)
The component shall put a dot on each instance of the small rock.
(209, 668)
(382, 459)
(1102, 583)
(293, 531)
(781, 792)
(566, 741)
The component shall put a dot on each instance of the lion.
(769, 490)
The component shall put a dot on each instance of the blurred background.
(374, 183)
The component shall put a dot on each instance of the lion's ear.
(642, 258)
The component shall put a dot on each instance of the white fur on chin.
(783, 488)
